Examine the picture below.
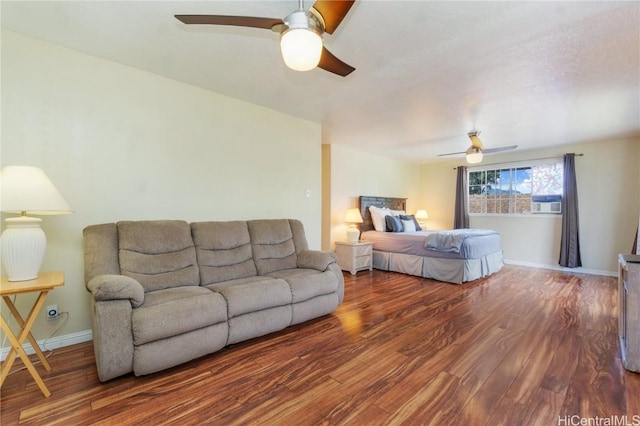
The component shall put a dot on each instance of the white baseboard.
(54, 343)
(562, 268)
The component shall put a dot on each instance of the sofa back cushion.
(299, 237)
(223, 250)
(274, 247)
(100, 244)
(159, 254)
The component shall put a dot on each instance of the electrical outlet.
(52, 312)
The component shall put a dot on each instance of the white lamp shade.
(28, 189)
(353, 216)
(301, 48)
(422, 215)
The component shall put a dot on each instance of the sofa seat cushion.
(238, 281)
(247, 295)
(173, 311)
(307, 283)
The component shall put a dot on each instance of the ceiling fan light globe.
(474, 155)
(301, 48)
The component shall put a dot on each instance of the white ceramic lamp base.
(353, 234)
(23, 246)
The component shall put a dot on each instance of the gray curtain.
(570, 242)
(461, 215)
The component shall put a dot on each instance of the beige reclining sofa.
(166, 292)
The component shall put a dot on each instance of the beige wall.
(352, 173)
(607, 179)
(438, 184)
(120, 143)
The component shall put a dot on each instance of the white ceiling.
(536, 74)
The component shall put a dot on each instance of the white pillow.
(397, 212)
(409, 225)
(377, 217)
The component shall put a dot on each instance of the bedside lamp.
(26, 190)
(421, 216)
(352, 217)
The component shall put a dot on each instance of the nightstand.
(354, 257)
(45, 282)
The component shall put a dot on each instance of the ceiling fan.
(476, 150)
(300, 33)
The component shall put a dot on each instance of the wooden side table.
(354, 257)
(45, 282)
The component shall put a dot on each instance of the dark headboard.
(389, 202)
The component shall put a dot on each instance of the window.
(516, 189)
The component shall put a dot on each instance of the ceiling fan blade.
(238, 21)
(333, 12)
(452, 153)
(501, 149)
(330, 63)
(475, 140)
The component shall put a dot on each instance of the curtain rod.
(520, 161)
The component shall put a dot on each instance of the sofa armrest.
(112, 338)
(315, 259)
(116, 287)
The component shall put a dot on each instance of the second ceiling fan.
(475, 152)
(300, 33)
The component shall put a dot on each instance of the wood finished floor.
(525, 346)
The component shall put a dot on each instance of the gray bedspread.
(451, 241)
(414, 243)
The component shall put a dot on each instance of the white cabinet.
(354, 257)
(629, 310)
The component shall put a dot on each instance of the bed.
(455, 256)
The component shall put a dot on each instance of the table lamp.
(26, 190)
(421, 216)
(352, 217)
